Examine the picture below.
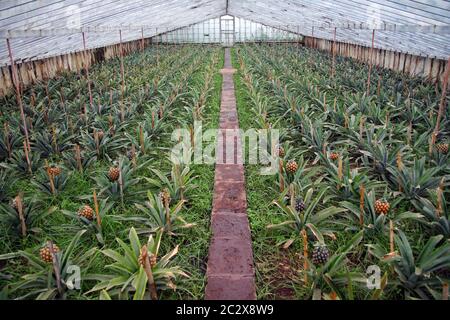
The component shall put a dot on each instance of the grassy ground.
(61, 229)
(194, 251)
(289, 89)
(274, 275)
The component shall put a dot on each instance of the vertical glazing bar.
(91, 102)
(122, 71)
(370, 62)
(234, 30)
(157, 47)
(142, 39)
(334, 53)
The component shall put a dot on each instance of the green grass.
(61, 229)
(261, 213)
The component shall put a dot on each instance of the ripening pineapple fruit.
(46, 254)
(164, 195)
(151, 257)
(280, 151)
(114, 173)
(442, 148)
(54, 170)
(299, 205)
(334, 156)
(291, 166)
(382, 206)
(86, 212)
(320, 254)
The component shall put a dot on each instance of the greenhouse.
(224, 150)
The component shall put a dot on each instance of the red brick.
(230, 256)
(230, 287)
(229, 172)
(229, 196)
(230, 225)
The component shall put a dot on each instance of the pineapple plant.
(177, 183)
(382, 206)
(110, 186)
(9, 141)
(414, 181)
(105, 148)
(291, 166)
(88, 219)
(156, 216)
(85, 160)
(314, 219)
(47, 144)
(320, 254)
(43, 281)
(7, 180)
(33, 211)
(416, 267)
(19, 163)
(50, 184)
(127, 267)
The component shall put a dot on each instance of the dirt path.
(230, 272)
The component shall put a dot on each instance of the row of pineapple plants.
(362, 178)
(93, 185)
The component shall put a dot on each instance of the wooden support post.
(334, 54)
(15, 78)
(122, 72)
(142, 39)
(86, 67)
(157, 48)
(441, 104)
(370, 63)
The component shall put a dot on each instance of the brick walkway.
(230, 272)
